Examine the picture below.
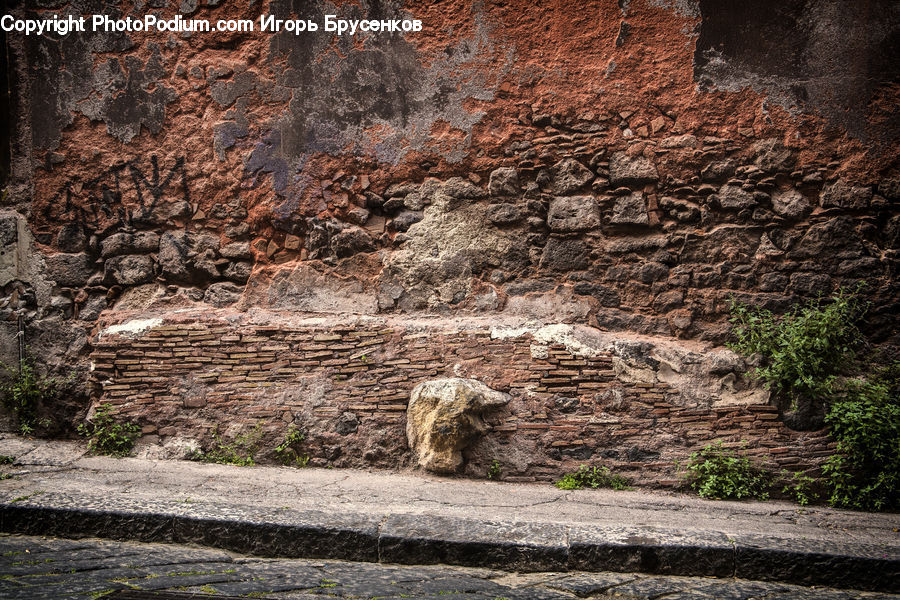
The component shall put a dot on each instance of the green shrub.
(240, 451)
(810, 356)
(288, 451)
(23, 391)
(593, 477)
(800, 488)
(494, 470)
(107, 436)
(864, 473)
(805, 349)
(718, 473)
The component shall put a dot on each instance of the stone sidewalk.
(411, 518)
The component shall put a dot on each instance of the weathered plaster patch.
(132, 328)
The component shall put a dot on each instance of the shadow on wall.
(831, 55)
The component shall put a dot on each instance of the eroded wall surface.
(625, 168)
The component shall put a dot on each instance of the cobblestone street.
(37, 568)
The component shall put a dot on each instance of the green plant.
(494, 470)
(288, 451)
(240, 451)
(593, 477)
(108, 436)
(810, 355)
(718, 473)
(864, 473)
(23, 391)
(7, 460)
(805, 349)
(800, 488)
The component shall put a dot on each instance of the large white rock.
(444, 416)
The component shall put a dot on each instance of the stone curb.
(423, 539)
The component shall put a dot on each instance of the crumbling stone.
(626, 170)
(564, 255)
(504, 214)
(352, 241)
(630, 210)
(842, 194)
(71, 270)
(790, 204)
(131, 269)
(569, 176)
(129, 243)
(223, 294)
(444, 417)
(504, 182)
(734, 197)
(573, 213)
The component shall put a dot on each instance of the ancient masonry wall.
(347, 388)
(625, 169)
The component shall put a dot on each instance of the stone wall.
(577, 396)
(626, 168)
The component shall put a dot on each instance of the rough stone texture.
(569, 176)
(575, 213)
(630, 210)
(504, 182)
(791, 204)
(734, 197)
(564, 255)
(127, 243)
(504, 214)
(841, 194)
(444, 417)
(628, 170)
(129, 269)
(70, 270)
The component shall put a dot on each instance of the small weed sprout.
(593, 477)
(241, 451)
(800, 488)
(107, 436)
(23, 391)
(288, 451)
(494, 470)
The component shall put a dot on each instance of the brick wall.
(188, 378)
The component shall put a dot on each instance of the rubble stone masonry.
(219, 230)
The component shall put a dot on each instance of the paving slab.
(415, 518)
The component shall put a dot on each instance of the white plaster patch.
(132, 328)
(558, 333)
(539, 352)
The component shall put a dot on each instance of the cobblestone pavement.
(36, 568)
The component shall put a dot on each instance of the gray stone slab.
(650, 550)
(428, 539)
(818, 562)
(73, 522)
(307, 535)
